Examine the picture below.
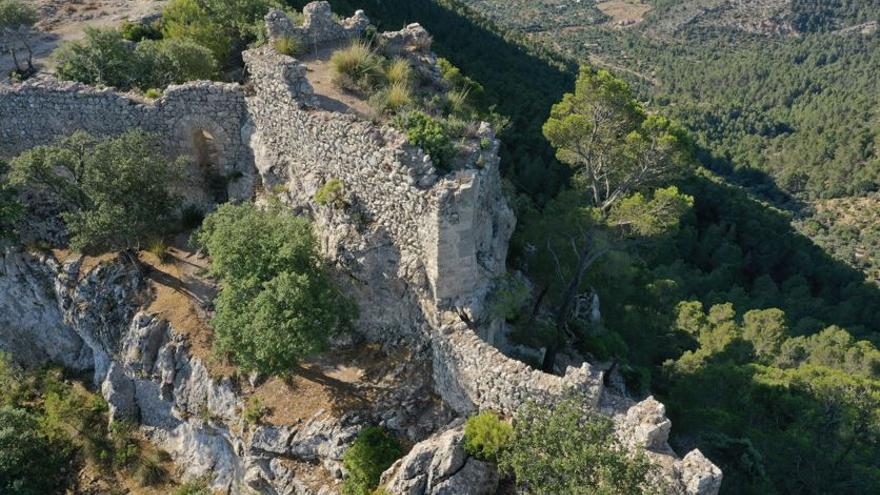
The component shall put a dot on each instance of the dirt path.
(66, 20)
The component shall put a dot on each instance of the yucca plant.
(288, 45)
(399, 72)
(357, 67)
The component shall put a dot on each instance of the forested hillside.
(760, 343)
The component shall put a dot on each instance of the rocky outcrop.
(440, 466)
(33, 331)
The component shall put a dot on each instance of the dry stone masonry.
(416, 247)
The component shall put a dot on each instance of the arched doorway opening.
(207, 160)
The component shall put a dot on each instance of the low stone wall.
(43, 109)
(472, 375)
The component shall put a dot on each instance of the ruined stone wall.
(471, 375)
(43, 109)
(403, 230)
(318, 27)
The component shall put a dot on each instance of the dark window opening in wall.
(208, 163)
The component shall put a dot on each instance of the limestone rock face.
(440, 466)
(32, 327)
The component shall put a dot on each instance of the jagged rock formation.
(419, 248)
(440, 466)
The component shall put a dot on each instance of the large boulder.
(440, 466)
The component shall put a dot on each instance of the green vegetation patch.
(278, 303)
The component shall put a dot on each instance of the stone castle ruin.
(420, 248)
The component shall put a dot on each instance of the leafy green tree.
(190, 19)
(16, 21)
(565, 449)
(116, 190)
(102, 57)
(29, 463)
(374, 451)
(616, 151)
(219, 25)
(278, 303)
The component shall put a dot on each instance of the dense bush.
(278, 303)
(565, 449)
(173, 61)
(374, 451)
(430, 134)
(191, 20)
(139, 31)
(486, 435)
(115, 191)
(105, 58)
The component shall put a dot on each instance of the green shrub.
(429, 134)
(357, 67)
(374, 451)
(117, 188)
(330, 194)
(566, 449)
(486, 435)
(289, 45)
(456, 80)
(102, 57)
(278, 303)
(137, 31)
(173, 61)
(254, 411)
(153, 93)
